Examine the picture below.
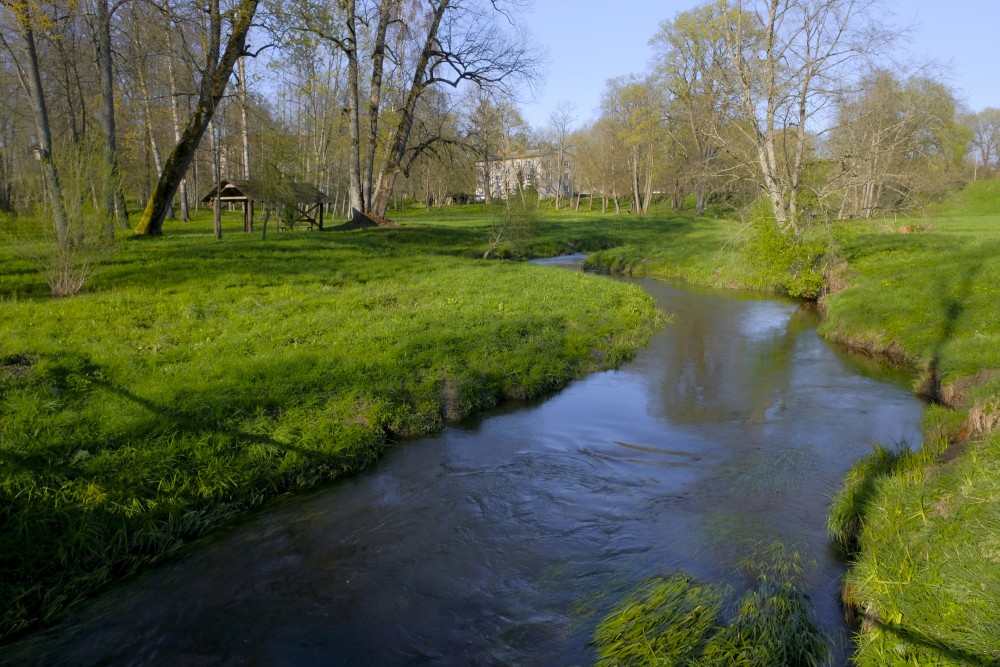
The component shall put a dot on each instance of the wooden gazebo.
(308, 200)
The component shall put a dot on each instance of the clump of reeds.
(681, 621)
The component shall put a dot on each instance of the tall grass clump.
(850, 505)
(681, 621)
(925, 579)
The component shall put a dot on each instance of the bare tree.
(985, 127)
(561, 127)
(424, 45)
(27, 17)
(897, 139)
(787, 59)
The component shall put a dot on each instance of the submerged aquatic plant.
(679, 621)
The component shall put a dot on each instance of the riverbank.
(925, 576)
(920, 529)
(195, 379)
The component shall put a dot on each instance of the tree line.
(149, 103)
(797, 101)
(349, 95)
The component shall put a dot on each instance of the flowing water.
(503, 541)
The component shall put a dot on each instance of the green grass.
(977, 198)
(926, 573)
(681, 621)
(921, 528)
(931, 294)
(194, 379)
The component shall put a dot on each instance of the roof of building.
(300, 193)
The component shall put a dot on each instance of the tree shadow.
(920, 639)
(953, 306)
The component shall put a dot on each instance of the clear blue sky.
(591, 41)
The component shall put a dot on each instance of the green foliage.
(680, 621)
(784, 259)
(198, 378)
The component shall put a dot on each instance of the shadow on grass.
(953, 305)
(919, 639)
(357, 256)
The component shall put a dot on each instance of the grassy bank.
(194, 379)
(921, 528)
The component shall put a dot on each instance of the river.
(503, 540)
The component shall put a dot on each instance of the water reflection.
(504, 540)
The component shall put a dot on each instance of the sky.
(591, 41)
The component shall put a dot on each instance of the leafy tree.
(898, 140)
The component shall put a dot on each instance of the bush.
(787, 262)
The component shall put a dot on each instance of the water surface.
(505, 539)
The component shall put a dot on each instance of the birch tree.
(787, 59)
(561, 127)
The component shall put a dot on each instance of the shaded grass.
(196, 379)
(925, 579)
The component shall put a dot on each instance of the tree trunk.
(357, 199)
(244, 129)
(213, 86)
(32, 82)
(116, 210)
(154, 146)
(217, 177)
(176, 118)
(401, 135)
(374, 100)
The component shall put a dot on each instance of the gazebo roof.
(300, 193)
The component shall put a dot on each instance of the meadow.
(194, 379)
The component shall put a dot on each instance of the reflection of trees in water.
(717, 372)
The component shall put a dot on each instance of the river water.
(503, 541)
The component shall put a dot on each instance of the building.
(533, 170)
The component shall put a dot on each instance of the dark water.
(503, 541)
